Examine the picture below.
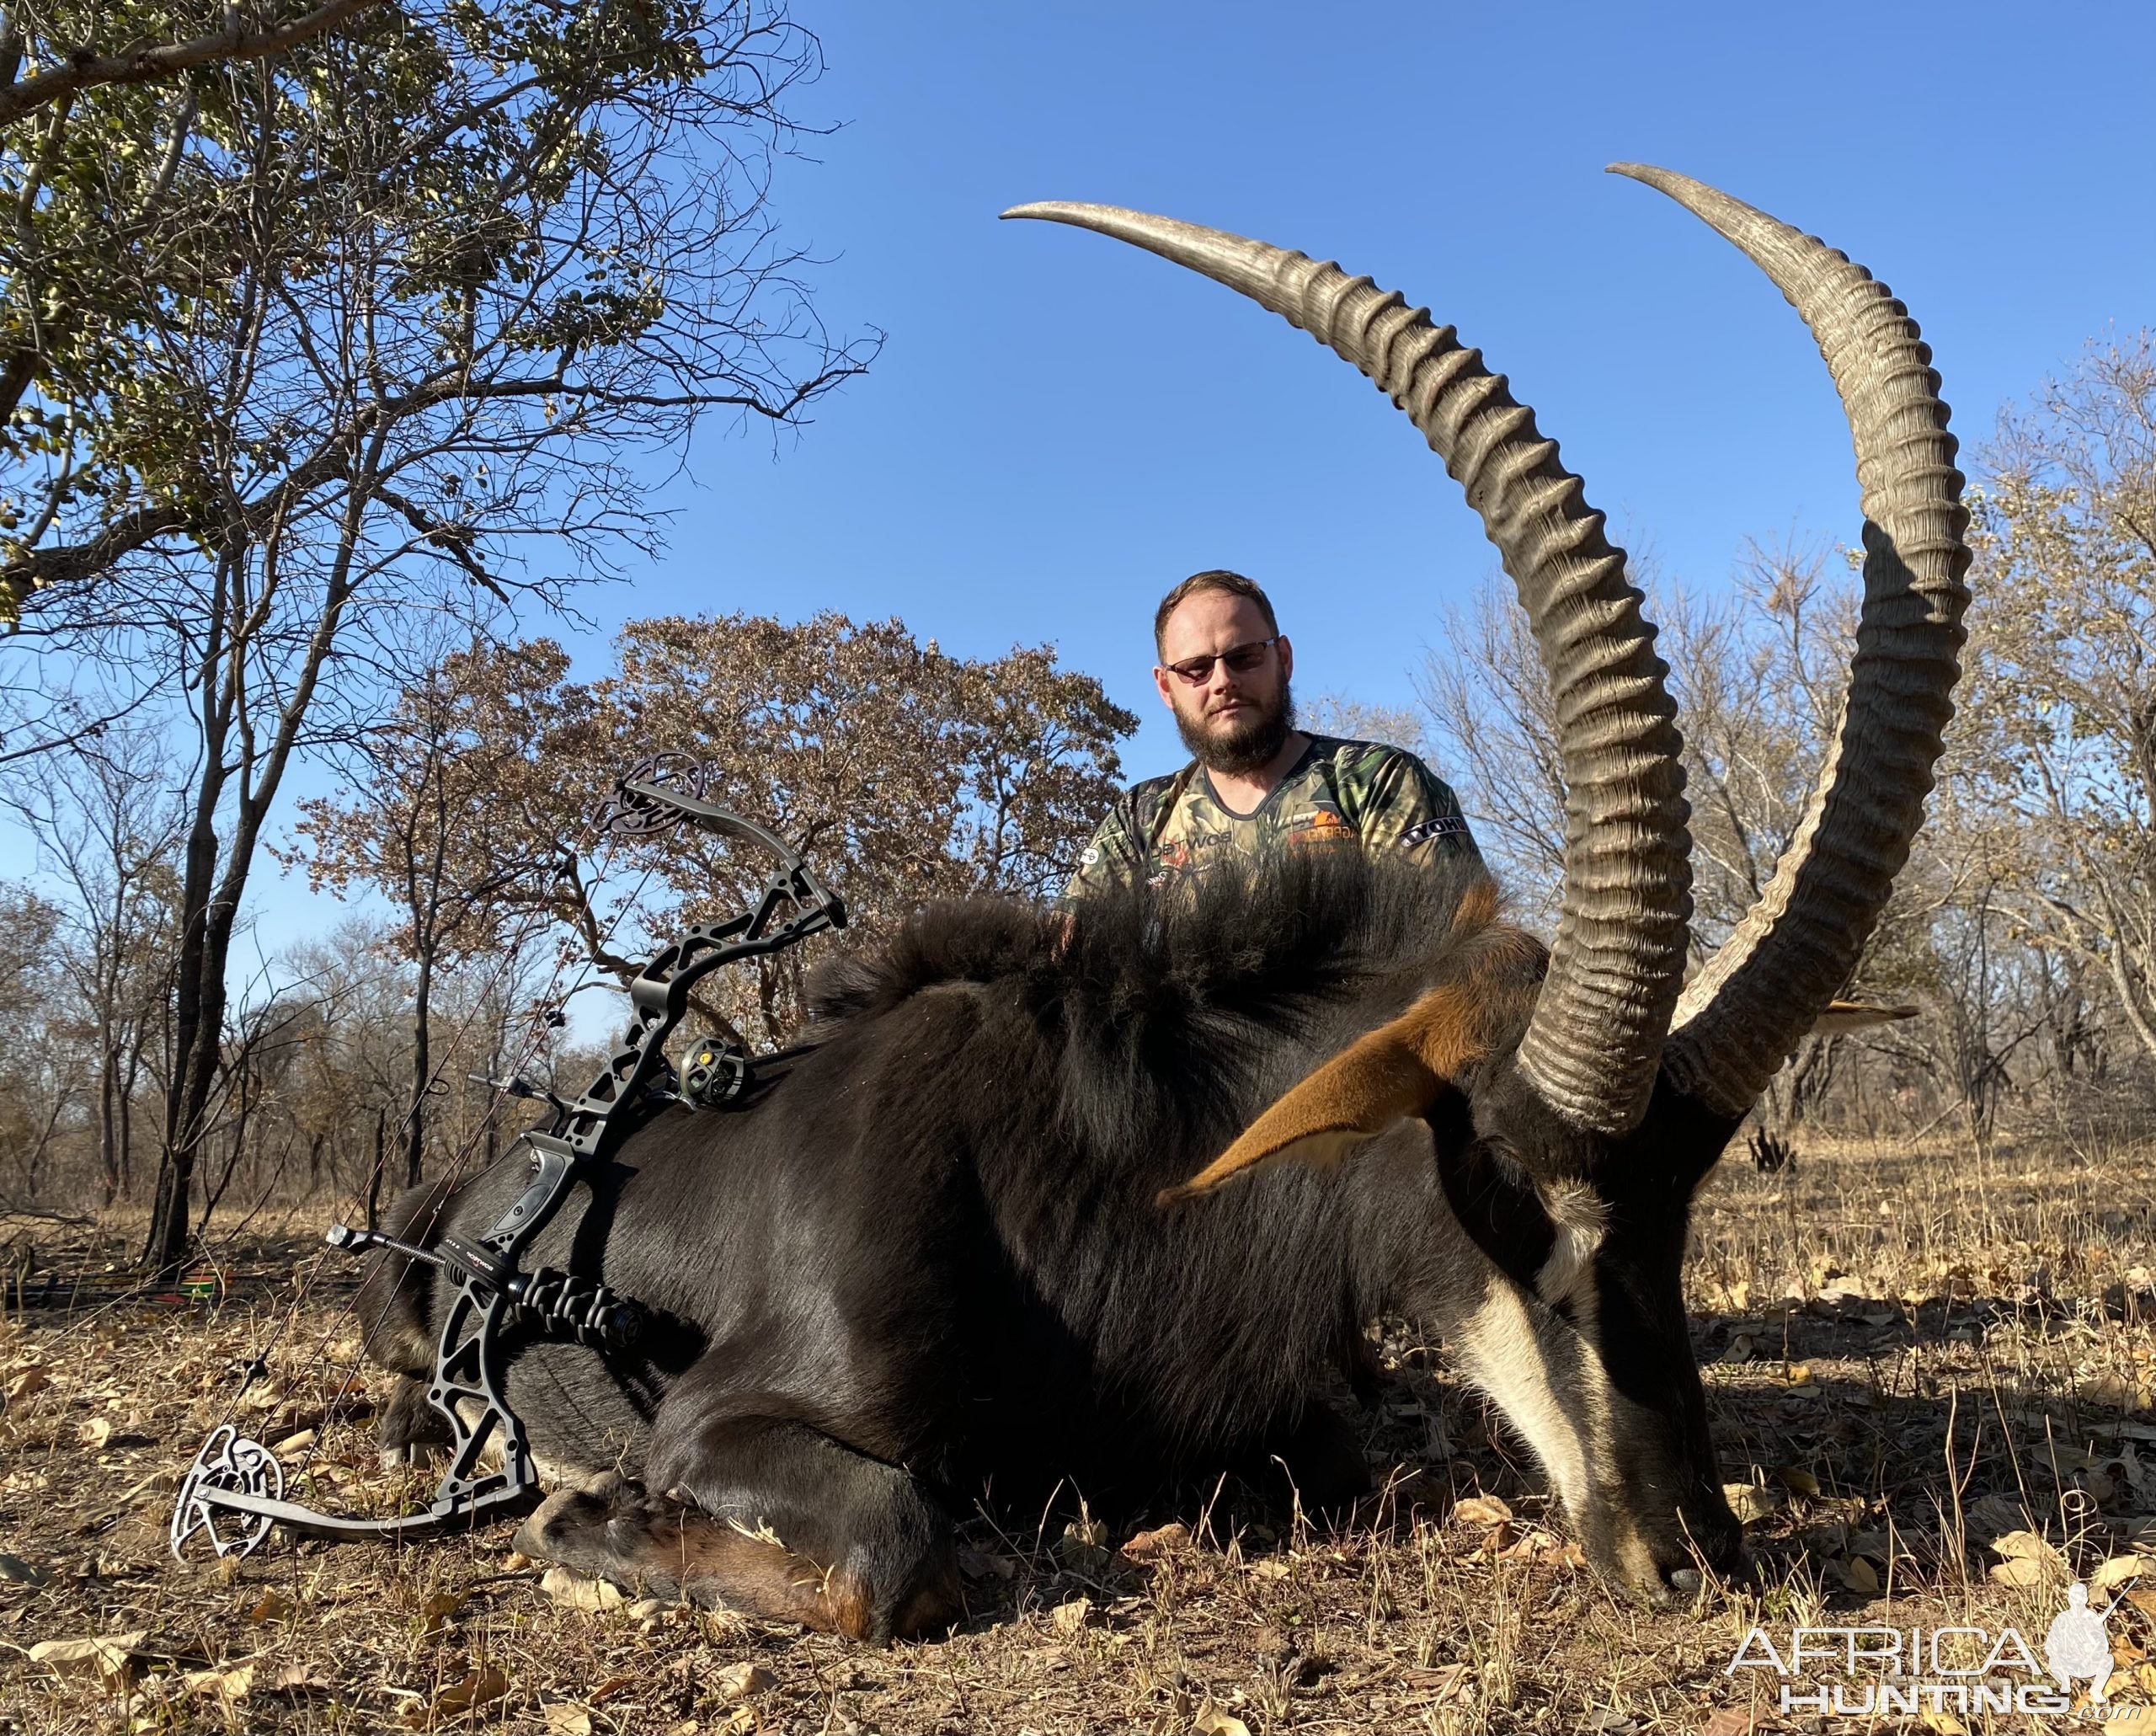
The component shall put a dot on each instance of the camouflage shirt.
(1338, 794)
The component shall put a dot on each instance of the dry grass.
(1909, 1354)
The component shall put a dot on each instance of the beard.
(1245, 745)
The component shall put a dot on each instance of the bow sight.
(234, 1492)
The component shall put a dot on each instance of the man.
(1256, 784)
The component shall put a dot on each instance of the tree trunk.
(415, 1116)
(198, 1016)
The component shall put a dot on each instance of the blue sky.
(1060, 427)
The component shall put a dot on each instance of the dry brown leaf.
(744, 1682)
(737, 1722)
(2023, 1570)
(31, 1381)
(976, 1565)
(1796, 1479)
(1862, 1576)
(235, 1683)
(1151, 1545)
(435, 1612)
(109, 1657)
(2117, 1571)
(1800, 1374)
(1211, 1721)
(95, 1433)
(571, 1590)
(2129, 1721)
(2024, 1546)
(479, 1687)
(565, 1717)
(1481, 1510)
(293, 1444)
(273, 1606)
(1749, 1502)
(1067, 1618)
(1083, 1545)
(1944, 1723)
(1730, 1721)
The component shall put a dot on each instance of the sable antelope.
(956, 1245)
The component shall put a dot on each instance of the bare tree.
(2062, 668)
(108, 828)
(465, 270)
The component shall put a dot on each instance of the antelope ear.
(1396, 1071)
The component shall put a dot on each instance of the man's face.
(1235, 720)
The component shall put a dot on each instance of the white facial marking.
(1581, 1221)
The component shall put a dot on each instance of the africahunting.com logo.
(1938, 1673)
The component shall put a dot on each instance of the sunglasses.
(1241, 659)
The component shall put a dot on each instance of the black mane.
(1165, 1005)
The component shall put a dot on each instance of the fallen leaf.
(1211, 1721)
(1730, 1721)
(1800, 1374)
(435, 1612)
(1862, 1576)
(1796, 1479)
(2129, 1721)
(566, 1718)
(299, 1681)
(18, 1571)
(1083, 1545)
(1749, 1502)
(2024, 1546)
(109, 1657)
(2023, 1570)
(235, 1683)
(1151, 1545)
(1481, 1510)
(976, 1565)
(95, 1433)
(2112, 1389)
(737, 1722)
(293, 1443)
(31, 1381)
(273, 1606)
(479, 1687)
(571, 1590)
(1067, 1618)
(2117, 1571)
(1741, 1349)
(1438, 1685)
(1944, 1723)
(744, 1681)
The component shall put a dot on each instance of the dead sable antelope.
(959, 1244)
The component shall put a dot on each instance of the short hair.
(1214, 579)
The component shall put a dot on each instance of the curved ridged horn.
(1743, 1015)
(1598, 1029)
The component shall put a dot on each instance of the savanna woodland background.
(336, 352)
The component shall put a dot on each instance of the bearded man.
(1256, 784)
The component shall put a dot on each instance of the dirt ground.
(1929, 1373)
